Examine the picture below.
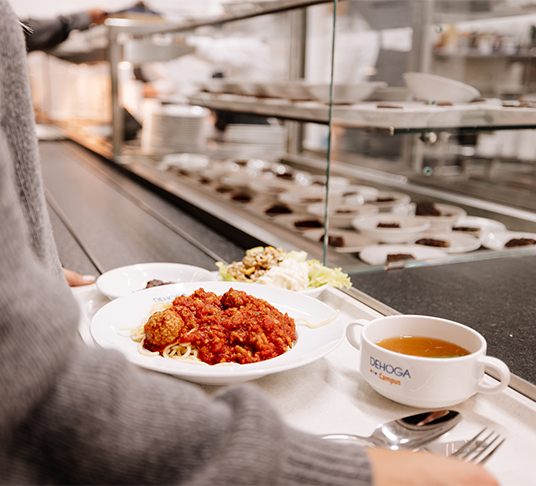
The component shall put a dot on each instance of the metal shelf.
(255, 9)
(345, 116)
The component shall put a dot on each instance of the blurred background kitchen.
(165, 84)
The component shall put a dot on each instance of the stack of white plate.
(174, 128)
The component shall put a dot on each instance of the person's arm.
(45, 34)
(72, 414)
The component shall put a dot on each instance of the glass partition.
(290, 120)
(447, 135)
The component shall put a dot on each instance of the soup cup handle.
(350, 334)
(501, 369)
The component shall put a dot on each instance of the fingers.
(424, 469)
(75, 279)
(98, 16)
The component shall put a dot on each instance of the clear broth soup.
(422, 346)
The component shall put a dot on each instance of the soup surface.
(422, 346)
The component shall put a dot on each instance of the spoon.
(407, 433)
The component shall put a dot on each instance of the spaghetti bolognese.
(205, 327)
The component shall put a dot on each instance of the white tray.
(330, 396)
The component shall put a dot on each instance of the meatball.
(162, 328)
(234, 298)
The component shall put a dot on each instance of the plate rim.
(452, 235)
(112, 295)
(440, 253)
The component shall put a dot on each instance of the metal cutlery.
(479, 449)
(410, 432)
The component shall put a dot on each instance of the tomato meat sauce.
(232, 328)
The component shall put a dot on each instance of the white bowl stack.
(174, 128)
(263, 137)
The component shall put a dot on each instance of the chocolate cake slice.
(519, 242)
(433, 242)
(399, 257)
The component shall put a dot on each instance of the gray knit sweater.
(70, 414)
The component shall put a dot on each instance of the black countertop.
(496, 297)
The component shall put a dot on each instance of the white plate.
(449, 216)
(341, 215)
(301, 196)
(271, 185)
(425, 86)
(366, 192)
(337, 184)
(313, 292)
(484, 226)
(377, 254)
(240, 179)
(496, 241)
(126, 280)
(353, 242)
(458, 243)
(409, 227)
(311, 344)
(185, 162)
(290, 220)
(310, 291)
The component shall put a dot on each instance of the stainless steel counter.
(105, 217)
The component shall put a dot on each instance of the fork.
(479, 451)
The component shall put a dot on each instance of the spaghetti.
(204, 327)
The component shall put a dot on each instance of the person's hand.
(405, 468)
(97, 15)
(76, 280)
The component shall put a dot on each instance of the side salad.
(278, 268)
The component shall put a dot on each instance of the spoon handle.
(364, 441)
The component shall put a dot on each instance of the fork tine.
(479, 451)
(469, 446)
(489, 450)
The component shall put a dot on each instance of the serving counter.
(104, 218)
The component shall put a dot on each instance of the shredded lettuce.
(257, 249)
(320, 275)
(224, 274)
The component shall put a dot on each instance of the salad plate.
(131, 278)
(278, 268)
(109, 329)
